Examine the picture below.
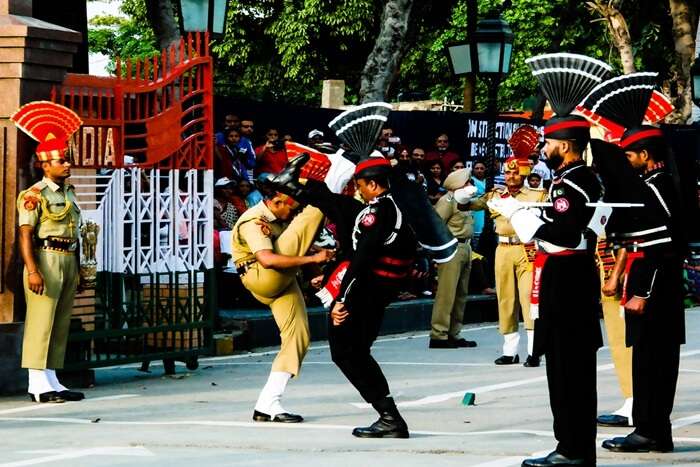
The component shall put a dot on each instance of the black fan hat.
(360, 126)
(565, 80)
(624, 101)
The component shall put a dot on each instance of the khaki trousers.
(513, 284)
(48, 315)
(621, 354)
(451, 296)
(279, 290)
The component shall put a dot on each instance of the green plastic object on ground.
(469, 398)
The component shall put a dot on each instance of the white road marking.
(138, 451)
(380, 363)
(437, 398)
(35, 406)
(274, 352)
(512, 460)
(312, 426)
(685, 421)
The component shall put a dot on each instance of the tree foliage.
(283, 49)
(116, 36)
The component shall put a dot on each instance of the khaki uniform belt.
(509, 240)
(62, 244)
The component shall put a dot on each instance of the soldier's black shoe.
(532, 362)
(442, 344)
(287, 181)
(72, 395)
(279, 418)
(51, 396)
(507, 360)
(389, 425)
(637, 443)
(462, 342)
(554, 458)
(613, 420)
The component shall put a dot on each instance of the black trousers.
(351, 342)
(571, 377)
(654, 377)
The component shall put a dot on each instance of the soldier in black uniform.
(652, 295)
(376, 254)
(566, 294)
(653, 298)
(566, 290)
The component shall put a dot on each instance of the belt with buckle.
(509, 240)
(62, 244)
(243, 267)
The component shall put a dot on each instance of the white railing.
(150, 220)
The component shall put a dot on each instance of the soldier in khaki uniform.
(49, 220)
(453, 276)
(512, 266)
(611, 272)
(268, 251)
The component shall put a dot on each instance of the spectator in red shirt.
(442, 152)
(271, 157)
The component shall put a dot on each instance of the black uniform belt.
(62, 244)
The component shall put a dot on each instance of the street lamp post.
(695, 80)
(487, 54)
(202, 15)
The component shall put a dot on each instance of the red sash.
(541, 258)
(632, 256)
(330, 291)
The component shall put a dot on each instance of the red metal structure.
(158, 110)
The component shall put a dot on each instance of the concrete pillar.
(34, 56)
(333, 94)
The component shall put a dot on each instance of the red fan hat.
(524, 141)
(51, 124)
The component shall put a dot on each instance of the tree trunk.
(383, 62)
(161, 14)
(619, 32)
(684, 24)
(470, 80)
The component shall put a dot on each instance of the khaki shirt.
(32, 205)
(503, 225)
(459, 223)
(249, 237)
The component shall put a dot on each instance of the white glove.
(526, 222)
(465, 194)
(505, 206)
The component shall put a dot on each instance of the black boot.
(389, 425)
(287, 181)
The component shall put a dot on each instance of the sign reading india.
(95, 146)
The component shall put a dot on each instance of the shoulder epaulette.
(37, 187)
(32, 196)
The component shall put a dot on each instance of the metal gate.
(144, 174)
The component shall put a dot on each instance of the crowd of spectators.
(243, 159)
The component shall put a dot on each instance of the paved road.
(203, 417)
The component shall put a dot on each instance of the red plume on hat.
(50, 124)
(524, 141)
